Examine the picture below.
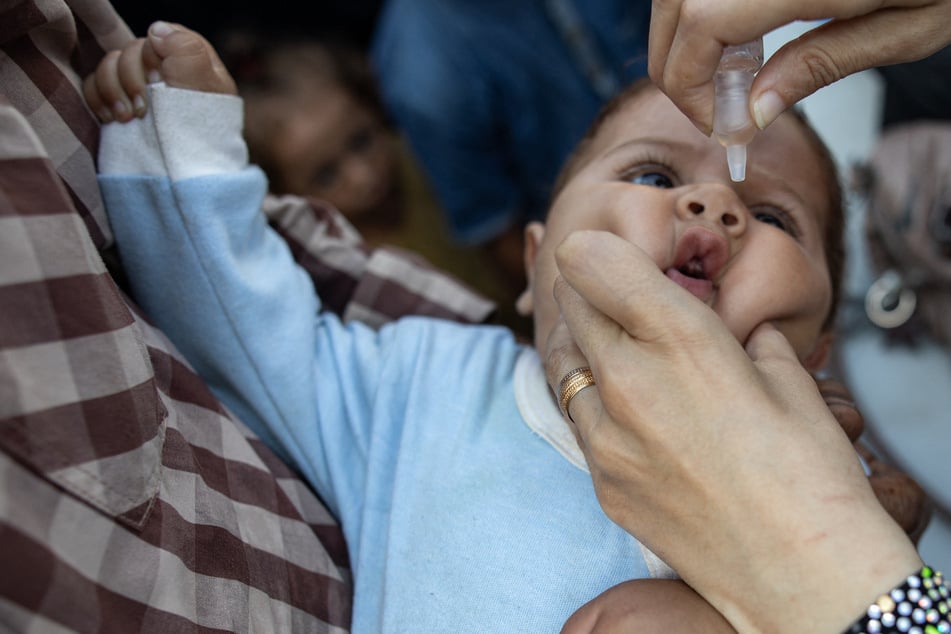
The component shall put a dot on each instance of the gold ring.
(572, 383)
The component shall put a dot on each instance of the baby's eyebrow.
(763, 177)
(639, 142)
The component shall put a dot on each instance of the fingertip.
(160, 29)
(122, 110)
(570, 244)
(766, 340)
(767, 107)
(138, 106)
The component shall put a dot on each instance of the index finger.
(663, 25)
(625, 284)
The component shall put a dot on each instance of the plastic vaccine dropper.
(732, 125)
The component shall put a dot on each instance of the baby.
(465, 501)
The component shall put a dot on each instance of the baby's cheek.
(788, 291)
(802, 313)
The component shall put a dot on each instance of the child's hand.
(170, 53)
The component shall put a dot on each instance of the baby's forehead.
(646, 112)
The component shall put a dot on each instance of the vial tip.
(736, 159)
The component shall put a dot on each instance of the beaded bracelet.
(921, 605)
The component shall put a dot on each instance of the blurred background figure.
(492, 95)
(315, 124)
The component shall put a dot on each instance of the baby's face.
(752, 251)
(334, 148)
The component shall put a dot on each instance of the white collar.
(537, 406)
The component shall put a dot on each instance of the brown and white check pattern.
(130, 499)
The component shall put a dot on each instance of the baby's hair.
(272, 75)
(833, 239)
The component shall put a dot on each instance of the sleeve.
(204, 265)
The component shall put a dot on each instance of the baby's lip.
(700, 257)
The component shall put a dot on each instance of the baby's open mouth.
(694, 268)
(701, 255)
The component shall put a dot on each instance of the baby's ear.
(820, 353)
(534, 232)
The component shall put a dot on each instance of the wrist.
(823, 584)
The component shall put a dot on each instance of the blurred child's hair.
(833, 239)
(275, 75)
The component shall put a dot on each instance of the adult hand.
(688, 36)
(697, 446)
(655, 605)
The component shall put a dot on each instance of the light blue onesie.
(465, 503)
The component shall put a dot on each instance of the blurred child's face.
(752, 251)
(336, 149)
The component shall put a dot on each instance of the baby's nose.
(716, 204)
(727, 217)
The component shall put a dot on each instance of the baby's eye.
(653, 179)
(362, 140)
(779, 218)
(326, 176)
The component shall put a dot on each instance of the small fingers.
(842, 406)
(132, 76)
(113, 103)
(93, 97)
(115, 91)
(151, 62)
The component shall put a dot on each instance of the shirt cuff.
(184, 134)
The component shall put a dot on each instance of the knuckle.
(557, 359)
(821, 67)
(694, 16)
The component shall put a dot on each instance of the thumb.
(830, 52)
(767, 345)
(779, 368)
(187, 60)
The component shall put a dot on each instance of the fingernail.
(160, 29)
(704, 129)
(766, 108)
(154, 77)
(138, 104)
(121, 109)
(105, 115)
